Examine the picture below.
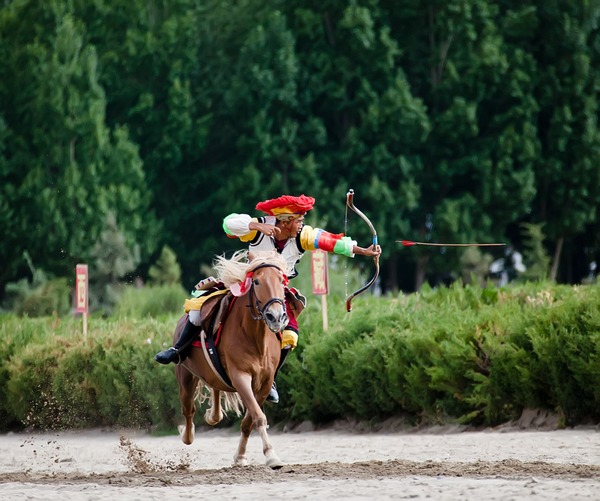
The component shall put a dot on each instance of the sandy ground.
(438, 464)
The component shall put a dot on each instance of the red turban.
(287, 206)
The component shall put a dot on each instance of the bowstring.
(345, 260)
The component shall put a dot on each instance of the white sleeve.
(237, 224)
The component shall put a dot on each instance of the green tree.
(373, 125)
(477, 174)
(262, 139)
(112, 259)
(157, 72)
(63, 168)
(534, 255)
(567, 173)
(166, 270)
(451, 120)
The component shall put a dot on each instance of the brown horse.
(249, 350)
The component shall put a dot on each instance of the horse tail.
(200, 395)
(231, 401)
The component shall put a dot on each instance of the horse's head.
(268, 290)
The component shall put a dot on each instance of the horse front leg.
(214, 414)
(254, 418)
(187, 389)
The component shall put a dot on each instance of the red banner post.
(320, 281)
(81, 294)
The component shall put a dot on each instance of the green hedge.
(472, 355)
(53, 378)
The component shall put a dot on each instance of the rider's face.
(295, 226)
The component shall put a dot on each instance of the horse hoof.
(274, 463)
(187, 437)
(212, 422)
(240, 462)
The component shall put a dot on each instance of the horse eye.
(255, 281)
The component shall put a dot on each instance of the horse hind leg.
(239, 459)
(188, 384)
(214, 414)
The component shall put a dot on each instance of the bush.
(59, 380)
(460, 354)
(464, 354)
(566, 342)
(15, 335)
(50, 297)
(150, 302)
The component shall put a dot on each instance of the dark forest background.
(130, 128)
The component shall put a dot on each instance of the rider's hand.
(374, 250)
(266, 229)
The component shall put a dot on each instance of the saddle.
(296, 300)
(213, 300)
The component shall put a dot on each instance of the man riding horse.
(282, 230)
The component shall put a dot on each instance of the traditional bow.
(350, 204)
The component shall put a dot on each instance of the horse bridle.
(254, 305)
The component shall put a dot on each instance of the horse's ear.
(251, 256)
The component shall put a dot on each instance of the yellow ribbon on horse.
(196, 303)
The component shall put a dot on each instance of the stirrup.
(273, 395)
(165, 357)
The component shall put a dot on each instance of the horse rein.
(255, 305)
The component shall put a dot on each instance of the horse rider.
(282, 229)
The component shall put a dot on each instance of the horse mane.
(233, 270)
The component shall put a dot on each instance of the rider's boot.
(175, 353)
(273, 394)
